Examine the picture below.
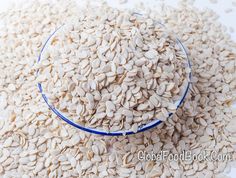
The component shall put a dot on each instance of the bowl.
(141, 128)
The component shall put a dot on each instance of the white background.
(228, 19)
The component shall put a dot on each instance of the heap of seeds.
(113, 70)
(35, 143)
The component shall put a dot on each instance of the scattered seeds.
(32, 133)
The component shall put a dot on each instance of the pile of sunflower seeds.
(113, 70)
(35, 143)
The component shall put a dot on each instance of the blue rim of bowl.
(100, 132)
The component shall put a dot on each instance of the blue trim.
(94, 131)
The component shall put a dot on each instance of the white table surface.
(228, 19)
